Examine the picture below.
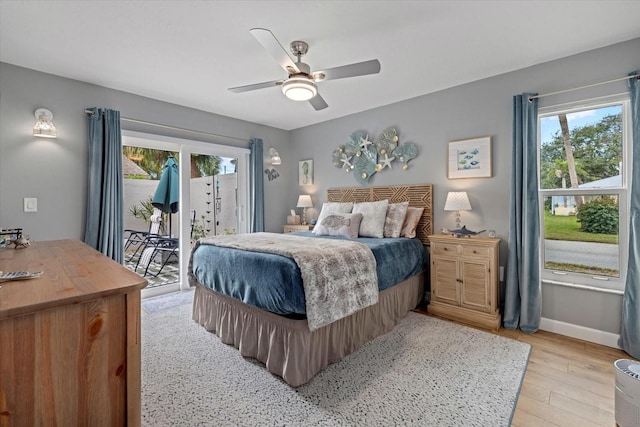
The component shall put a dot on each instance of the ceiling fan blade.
(318, 103)
(351, 70)
(256, 86)
(275, 49)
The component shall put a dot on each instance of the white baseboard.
(580, 332)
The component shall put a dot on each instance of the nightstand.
(464, 279)
(290, 228)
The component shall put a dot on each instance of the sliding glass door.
(213, 200)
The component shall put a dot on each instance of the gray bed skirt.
(287, 347)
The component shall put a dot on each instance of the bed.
(288, 340)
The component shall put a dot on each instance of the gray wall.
(55, 171)
(477, 109)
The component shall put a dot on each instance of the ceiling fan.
(301, 83)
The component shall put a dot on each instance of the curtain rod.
(637, 76)
(142, 122)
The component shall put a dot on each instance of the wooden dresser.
(464, 279)
(70, 339)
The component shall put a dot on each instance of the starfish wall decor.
(365, 157)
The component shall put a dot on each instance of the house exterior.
(566, 205)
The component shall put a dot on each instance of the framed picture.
(305, 172)
(470, 158)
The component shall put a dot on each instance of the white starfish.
(364, 142)
(386, 161)
(346, 161)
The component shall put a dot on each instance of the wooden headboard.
(419, 196)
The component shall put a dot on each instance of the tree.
(204, 165)
(149, 159)
(152, 161)
(596, 150)
(568, 151)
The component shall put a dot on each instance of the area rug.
(426, 372)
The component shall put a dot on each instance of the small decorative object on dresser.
(290, 228)
(464, 280)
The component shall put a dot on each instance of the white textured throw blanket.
(339, 277)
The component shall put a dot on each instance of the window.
(583, 194)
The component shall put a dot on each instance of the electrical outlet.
(30, 204)
(501, 274)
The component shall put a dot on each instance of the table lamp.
(304, 202)
(457, 201)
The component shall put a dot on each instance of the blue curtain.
(522, 305)
(256, 185)
(104, 219)
(630, 328)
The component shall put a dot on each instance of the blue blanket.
(273, 282)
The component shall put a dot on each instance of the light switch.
(30, 204)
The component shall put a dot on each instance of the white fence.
(214, 199)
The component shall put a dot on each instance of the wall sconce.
(304, 202)
(275, 156)
(44, 126)
(457, 201)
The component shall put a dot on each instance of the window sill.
(584, 287)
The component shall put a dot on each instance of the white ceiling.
(191, 52)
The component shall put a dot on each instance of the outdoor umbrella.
(167, 194)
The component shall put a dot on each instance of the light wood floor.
(568, 382)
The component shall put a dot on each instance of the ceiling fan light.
(299, 89)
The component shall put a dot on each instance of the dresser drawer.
(445, 248)
(476, 251)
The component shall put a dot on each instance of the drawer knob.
(446, 249)
(475, 252)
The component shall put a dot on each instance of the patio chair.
(139, 238)
(163, 247)
(156, 246)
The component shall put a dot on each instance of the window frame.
(583, 280)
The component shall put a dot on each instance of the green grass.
(578, 268)
(558, 227)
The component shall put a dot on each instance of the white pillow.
(339, 224)
(395, 218)
(373, 216)
(333, 207)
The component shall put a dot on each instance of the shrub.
(599, 216)
(144, 212)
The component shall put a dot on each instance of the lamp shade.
(457, 201)
(304, 201)
(44, 125)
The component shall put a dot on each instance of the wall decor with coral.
(365, 157)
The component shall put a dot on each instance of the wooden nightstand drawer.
(290, 228)
(445, 248)
(476, 251)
